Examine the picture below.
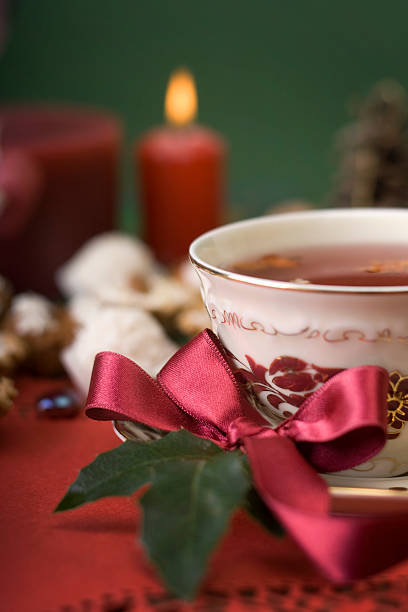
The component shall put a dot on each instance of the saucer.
(379, 496)
(137, 432)
(349, 495)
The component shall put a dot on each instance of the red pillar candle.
(58, 187)
(181, 175)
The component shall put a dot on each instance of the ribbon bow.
(341, 425)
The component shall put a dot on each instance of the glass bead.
(63, 403)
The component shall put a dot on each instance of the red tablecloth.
(89, 560)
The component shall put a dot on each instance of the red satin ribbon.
(341, 425)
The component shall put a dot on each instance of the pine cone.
(7, 394)
(13, 352)
(44, 328)
(374, 151)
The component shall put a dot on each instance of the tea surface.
(368, 265)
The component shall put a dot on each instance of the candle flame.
(180, 105)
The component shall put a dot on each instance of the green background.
(274, 77)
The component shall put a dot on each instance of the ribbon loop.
(121, 390)
(343, 422)
(200, 382)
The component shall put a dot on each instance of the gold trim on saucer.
(359, 500)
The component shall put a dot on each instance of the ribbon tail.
(347, 548)
(343, 547)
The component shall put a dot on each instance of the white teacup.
(322, 327)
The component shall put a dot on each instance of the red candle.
(58, 188)
(181, 175)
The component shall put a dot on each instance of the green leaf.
(186, 511)
(195, 487)
(255, 506)
(126, 468)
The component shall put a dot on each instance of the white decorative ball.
(122, 329)
(107, 260)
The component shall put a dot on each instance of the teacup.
(273, 330)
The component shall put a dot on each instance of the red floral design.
(289, 381)
(397, 399)
(286, 383)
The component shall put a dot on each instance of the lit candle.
(181, 174)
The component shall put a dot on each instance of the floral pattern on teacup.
(288, 381)
(397, 399)
(285, 384)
